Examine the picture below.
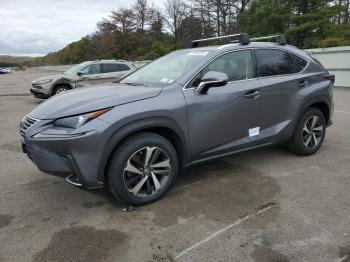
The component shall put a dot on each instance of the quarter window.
(123, 67)
(277, 62)
(237, 65)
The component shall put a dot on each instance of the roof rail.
(110, 60)
(279, 39)
(243, 39)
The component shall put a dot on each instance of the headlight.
(40, 82)
(77, 121)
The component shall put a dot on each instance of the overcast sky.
(36, 27)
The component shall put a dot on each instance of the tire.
(59, 90)
(127, 169)
(304, 141)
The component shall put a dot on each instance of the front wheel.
(142, 169)
(309, 134)
(60, 89)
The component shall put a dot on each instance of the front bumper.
(62, 156)
(40, 91)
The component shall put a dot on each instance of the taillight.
(330, 77)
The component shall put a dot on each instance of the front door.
(227, 117)
(91, 75)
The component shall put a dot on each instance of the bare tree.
(123, 19)
(241, 5)
(347, 12)
(143, 14)
(157, 24)
(176, 11)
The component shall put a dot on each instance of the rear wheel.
(309, 134)
(60, 89)
(142, 169)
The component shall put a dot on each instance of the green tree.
(311, 20)
(266, 17)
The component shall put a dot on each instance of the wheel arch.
(324, 108)
(322, 103)
(163, 126)
(57, 84)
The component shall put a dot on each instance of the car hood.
(82, 100)
(53, 77)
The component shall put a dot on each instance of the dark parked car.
(187, 107)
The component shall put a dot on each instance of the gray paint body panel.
(207, 126)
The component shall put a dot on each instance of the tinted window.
(237, 65)
(109, 68)
(123, 67)
(277, 62)
(92, 69)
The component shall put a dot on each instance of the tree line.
(144, 32)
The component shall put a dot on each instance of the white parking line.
(342, 111)
(343, 258)
(223, 230)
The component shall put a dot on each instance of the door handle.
(303, 83)
(252, 94)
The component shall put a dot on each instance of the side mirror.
(80, 73)
(212, 79)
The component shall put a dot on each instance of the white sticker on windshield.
(198, 53)
(164, 80)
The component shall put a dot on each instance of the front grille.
(26, 150)
(26, 123)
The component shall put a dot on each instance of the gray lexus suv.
(184, 108)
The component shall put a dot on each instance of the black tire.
(60, 89)
(138, 146)
(300, 143)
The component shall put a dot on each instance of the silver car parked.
(81, 75)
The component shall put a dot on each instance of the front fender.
(138, 126)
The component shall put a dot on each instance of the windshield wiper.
(134, 84)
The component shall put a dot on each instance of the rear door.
(282, 78)
(226, 117)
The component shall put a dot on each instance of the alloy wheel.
(312, 132)
(60, 90)
(147, 171)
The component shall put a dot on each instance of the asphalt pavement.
(265, 205)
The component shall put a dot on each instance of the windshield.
(166, 69)
(74, 69)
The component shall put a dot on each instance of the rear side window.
(277, 62)
(109, 68)
(113, 67)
